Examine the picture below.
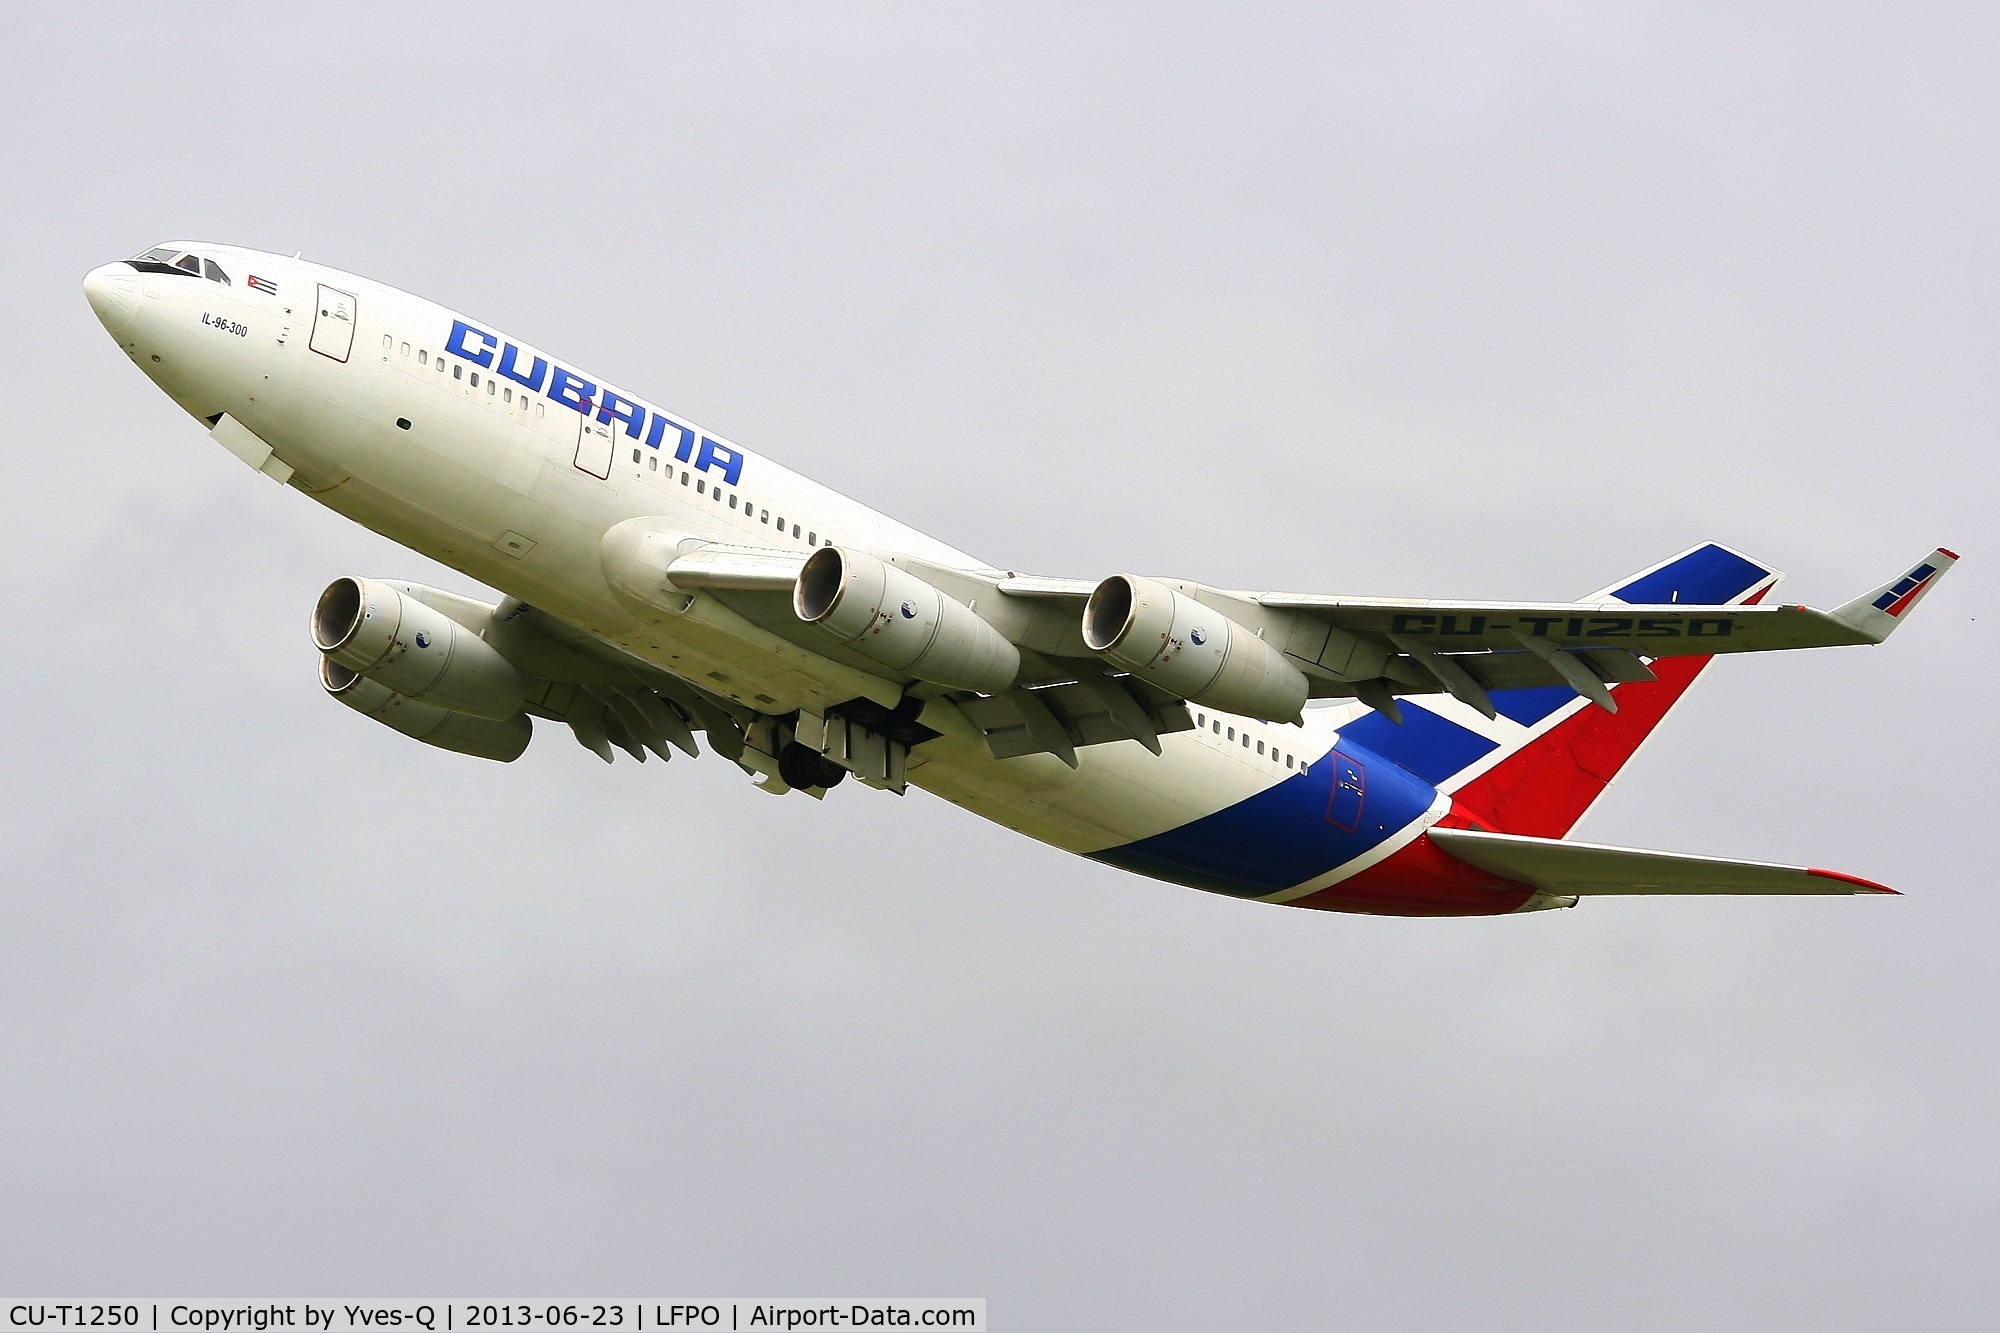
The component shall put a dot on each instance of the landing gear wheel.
(803, 766)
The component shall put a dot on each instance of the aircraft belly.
(1119, 793)
(1306, 830)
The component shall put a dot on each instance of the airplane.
(657, 581)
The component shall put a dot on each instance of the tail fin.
(1548, 756)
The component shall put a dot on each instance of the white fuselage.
(499, 480)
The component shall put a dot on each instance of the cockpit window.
(215, 273)
(167, 259)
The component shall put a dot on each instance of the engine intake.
(481, 737)
(415, 650)
(1168, 638)
(892, 616)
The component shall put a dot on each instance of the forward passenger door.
(333, 323)
(596, 445)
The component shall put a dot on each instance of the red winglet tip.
(1953, 555)
(1866, 885)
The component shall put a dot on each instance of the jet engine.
(1178, 644)
(899, 620)
(415, 650)
(481, 737)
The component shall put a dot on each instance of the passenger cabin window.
(406, 349)
(795, 530)
(215, 274)
(475, 379)
(635, 455)
(812, 539)
(507, 394)
(440, 363)
(423, 357)
(732, 502)
(388, 343)
(701, 488)
(457, 372)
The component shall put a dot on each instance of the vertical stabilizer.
(1547, 755)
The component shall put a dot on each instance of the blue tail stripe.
(1706, 576)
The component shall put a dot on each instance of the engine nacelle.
(415, 650)
(481, 737)
(899, 620)
(1171, 640)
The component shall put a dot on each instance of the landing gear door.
(333, 323)
(596, 445)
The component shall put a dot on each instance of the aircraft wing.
(1376, 648)
(1663, 629)
(1585, 868)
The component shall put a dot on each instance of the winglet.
(1876, 614)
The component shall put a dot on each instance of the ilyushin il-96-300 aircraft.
(659, 581)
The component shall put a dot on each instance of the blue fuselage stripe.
(1286, 834)
(1427, 745)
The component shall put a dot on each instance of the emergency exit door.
(596, 444)
(333, 323)
(1350, 790)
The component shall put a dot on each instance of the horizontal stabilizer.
(1586, 868)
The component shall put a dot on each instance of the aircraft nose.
(113, 292)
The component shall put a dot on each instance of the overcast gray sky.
(1484, 301)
